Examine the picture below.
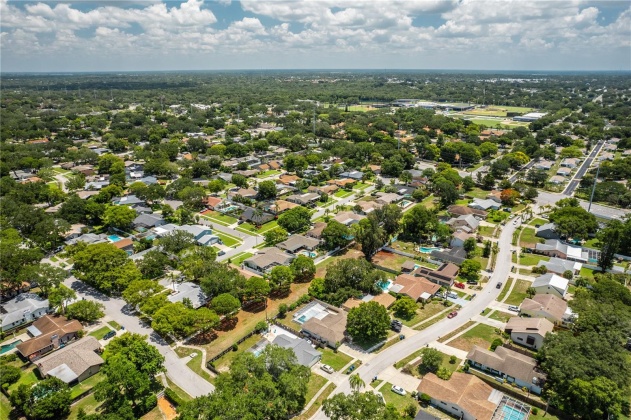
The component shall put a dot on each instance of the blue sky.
(128, 35)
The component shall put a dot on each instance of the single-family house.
(74, 232)
(329, 329)
(443, 275)
(22, 309)
(484, 204)
(556, 180)
(388, 198)
(125, 244)
(305, 354)
(296, 243)
(268, 258)
(307, 199)
(367, 207)
(73, 363)
(455, 255)
(190, 291)
(248, 173)
(148, 221)
(384, 299)
(544, 165)
(48, 332)
(202, 234)
(556, 248)
(564, 171)
(355, 175)
(546, 231)
(214, 203)
(341, 183)
(468, 223)
(316, 230)
(459, 237)
(515, 367)
(408, 266)
(280, 206)
(287, 179)
(88, 238)
(570, 163)
(258, 218)
(550, 307)
(456, 210)
(560, 266)
(606, 156)
(127, 200)
(552, 284)
(348, 218)
(243, 192)
(418, 288)
(528, 332)
(464, 396)
(495, 195)
(326, 189)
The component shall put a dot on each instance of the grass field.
(114, 325)
(455, 332)
(179, 391)
(518, 294)
(250, 228)
(98, 334)
(528, 238)
(505, 290)
(89, 405)
(89, 383)
(28, 378)
(497, 111)
(271, 172)
(422, 314)
(592, 243)
(336, 360)
(343, 194)
(587, 273)
(316, 382)
(237, 260)
(537, 221)
(227, 240)
(217, 217)
(361, 186)
(399, 401)
(486, 230)
(531, 259)
(223, 363)
(196, 366)
(5, 407)
(501, 316)
(481, 335)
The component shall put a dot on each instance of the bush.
(293, 306)
(443, 373)
(410, 410)
(452, 360)
(173, 398)
(261, 326)
(235, 347)
(535, 411)
(8, 358)
(496, 343)
(425, 399)
(304, 299)
(282, 310)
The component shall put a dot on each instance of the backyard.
(85, 385)
(89, 405)
(486, 230)
(413, 369)
(223, 364)
(481, 335)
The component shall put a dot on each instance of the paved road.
(116, 309)
(529, 165)
(405, 347)
(604, 212)
(569, 190)
(342, 201)
(249, 241)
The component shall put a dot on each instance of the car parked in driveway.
(452, 314)
(327, 368)
(398, 390)
(513, 308)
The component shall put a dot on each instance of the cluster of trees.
(613, 239)
(573, 221)
(589, 372)
(345, 279)
(271, 385)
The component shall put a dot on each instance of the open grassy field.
(481, 335)
(497, 111)
(518, 294)
(336, 360)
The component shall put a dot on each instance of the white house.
(528, 332)
(484, 204)
(551, 284)
(22, 309)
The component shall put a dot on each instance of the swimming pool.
(309, 254)
(114, 238)
(405, 203)
(427, 250)
(510, 413)
(302, 319)
(385, 285)
(8, 347)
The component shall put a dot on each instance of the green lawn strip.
(85, 385)
(505, 289)
(114, 325)
(500, 316)
(336, 360)
(361, 186)
(432, 321)
(265, 174)
(408, 359)
(237, 260)
(5, 407)
(179, 391)
(328, 203)
(247, 228)
(98, 334)
(89, 405)
(483, 261)
(587, 273)
(343, 193)
(316, 382)
(375, 384)
(219, 222)
(185, 351)
(456, 332)
(399, 401)
(518, 294)
(196, 366)
(430, 309)
(532, 259)
(537, 221)
(317, 403)
(54, 259)
(223, 363)
(486, 230)
(227, 239)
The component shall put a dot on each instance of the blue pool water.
(301, 319)
(385, 285)
(427, 250)
(511, 413)
(309, 254)
(114, 238)
(7, 347)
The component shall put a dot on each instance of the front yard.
(217, 217)
(481, 335)
(239, 258)
(228, 240)
(432, 308)
(336, 360)
(399, 401)
(532, 259)
(528, 238)
(250, 228)
(518, 294)
(98, 334)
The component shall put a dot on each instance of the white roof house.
(551, 283)
(21, 309)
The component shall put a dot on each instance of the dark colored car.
(498, 285)
(109, 335)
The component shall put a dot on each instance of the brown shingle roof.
(551, 304)
(78, 357)
(48, 325)
(414, 287)
(539, 326)
(510, 362)
(467, 391)
(331, 327)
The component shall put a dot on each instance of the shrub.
(293, 306)
(261, 326)
(496, 343)
(175, 399)
(282, 310)
(425, 399)
(452, 360)
(235, 347)
(535, 411)
(410, 410)
(304, 299)
(443, 373)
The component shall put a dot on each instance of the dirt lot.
(389, 260)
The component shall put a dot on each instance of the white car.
(515, 222)
(513, 308)
(327, 368)
(398, 390)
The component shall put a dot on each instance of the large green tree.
(573, 221)
(368, 322)
(335, 235)
(280, 279)
(359, 406)
(105, 267)
(85, 311)
(48, 399)
(419, 224)
(295, 219)
(370, 235)
(119, 217)
(304, 269)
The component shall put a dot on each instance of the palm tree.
(531, 292)
(356, 382)
(256, 217)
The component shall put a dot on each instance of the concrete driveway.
(116, 309)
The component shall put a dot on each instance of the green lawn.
(528, 237)
(455, 332)
(250, 228)
(317, 403)
(237, 260)
(89, 405)
(481, 335)
(98, 334)
(501, 316)
(477, 193)
(518, 294)
(89, 383)
(592, 243)
(196, 365)
(399, 401)
(336, 360)
(531, 259)
(343, 193)
(227, 240)
(271, 172)
(361, 186)
(316, 382)
(505, 289)
(28, 378)
(587, 273)
(223, 363)
(486, 230)
(222, 219)
(431, 309)
(114, 325)
(537, 221)
(5, 407)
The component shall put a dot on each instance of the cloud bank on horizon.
(128, 35)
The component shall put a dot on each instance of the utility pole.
(591, 197)
(314, 120)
